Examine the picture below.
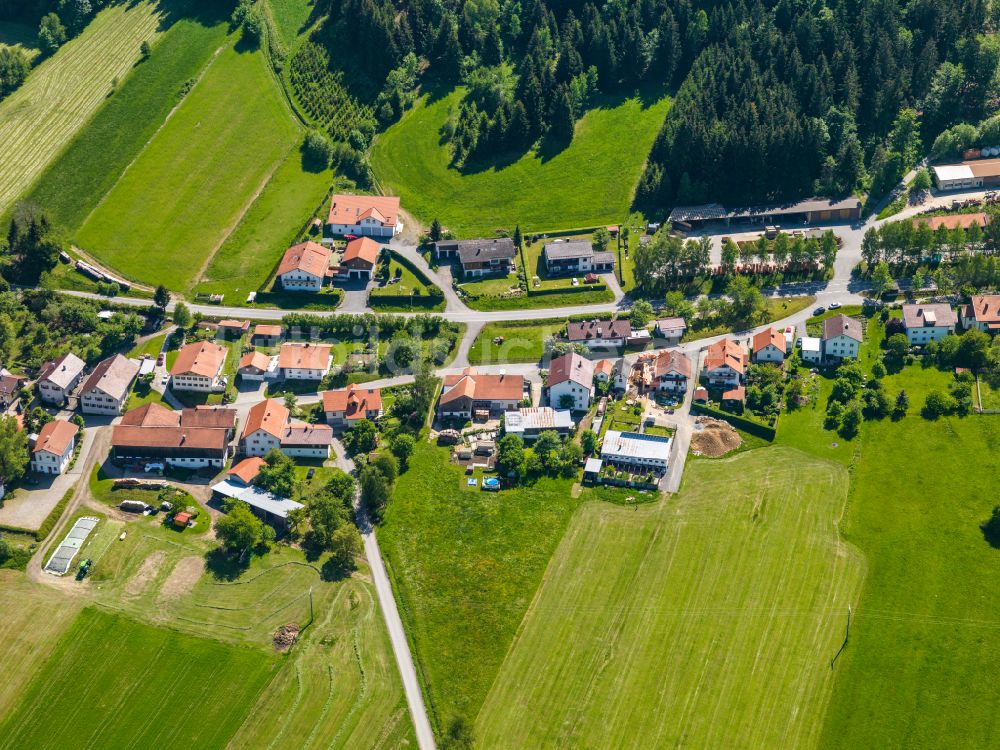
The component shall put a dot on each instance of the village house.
(604, 370)
(670, 330)
(530, 422)
(671, 372)
(360, 257)
(571, 382)
(811, 350)
(599, 334)
(107, 388)
(483, 257)
(769, 346)
(347, 405)
(473, 394)
(58, 378)
(269, 425)
(576, 257)
(304, 361)
(925, 323)
(53, 449)
(198, 367)
(189, 438)
(266, 335)
(982, 313)
(725, 364)
(636, 451)
(256, 366)
(734, 399)
(842, 337)
(246, 471)
(234, 328)
(304, 267)
(9, 387)
(364, 215)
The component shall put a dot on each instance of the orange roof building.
(364, 215)
(266, 331)
(982, 313)
(54, 447)
(192, 438)
(198, 366)
(726, 364)
(360, 257)
(471, 392)
(269, 416)
(255, 365)
(305, 361)
(769, 346)
(348, 405)
(304, 267)
(246, 471)
(953, 221)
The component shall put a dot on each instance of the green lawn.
(115, 682)
(777, 308)
(250, 255)
(921, 665)
(150, 347)
(705, 620)
(990, 395)
(465, 566)
(39, 119)
(192, 184)
(587, 184)
(95, 159)
(523, 342)
(409, 281)
(290, 18)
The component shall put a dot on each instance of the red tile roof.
(770, 336)
(672, 361)
(55, 437)
(304, 356)
(200, 358)
(269, 415)
(309, 257)
(985, 308)
(263, 329)
(482, 387)
(247, 469)
(354, 401)
(151, 415)
(736, 394)
(351, 209)
(364, 248)
(571, 367)
(726, 352)
(255, 359)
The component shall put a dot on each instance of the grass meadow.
(705, 620)
(589, 183)
(465, 565)
(191, 185)
(114, 682)
(249, 256)
(920, 670)
(523, 341)
(95, 159)
(291, 17)
(39, 119)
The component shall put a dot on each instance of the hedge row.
(567, 290)
(406, 263)
(54, 515)
(747, 425)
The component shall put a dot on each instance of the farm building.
(265, 505)
(973, 173)
(266, 335)
(360, 257)
(364, 215)
(190, 438)
(811, 211)
(107, 388)
(636, 450)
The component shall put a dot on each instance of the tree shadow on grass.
(991, 529)
(225, 566)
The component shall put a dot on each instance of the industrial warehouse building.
(966, 175)
(811, 211)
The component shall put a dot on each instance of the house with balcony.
(107, 388)
(575, 257)
(364, 216)
(725, 364)
(926, 323)
(478, 258)
(304, 267)
(842, 337)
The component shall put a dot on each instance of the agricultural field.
(93, 161)
(113, 681)
(920, 668)
(13, 34)
(291, 17)
(590, 182)
(465, 566)
(247, 259)
(39, 119)
(235, 126)
(706, 620)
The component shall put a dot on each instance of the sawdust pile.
(717, 438)
(286, 636)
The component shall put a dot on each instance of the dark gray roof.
(570, 249)
(698, 213)
(477, 251)
(603, 258)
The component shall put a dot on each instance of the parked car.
(310, 474)
(819, 311)
(161, 359)
(834, 305)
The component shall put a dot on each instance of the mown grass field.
(95, 159)
(465, 565)
(290, 18)
(705, 620)
(589, 183)
(116, 683)
(192, 184)
(39, 119)
(522, 341)
(250, 255)
(920, 670)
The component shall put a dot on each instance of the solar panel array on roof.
(62, 558)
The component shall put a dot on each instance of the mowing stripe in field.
(39, 119)
(113, 682)
(196, 178)
(707, 620)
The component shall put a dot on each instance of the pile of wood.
(286, 636)
(139, 484)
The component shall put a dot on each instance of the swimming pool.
(491, 483)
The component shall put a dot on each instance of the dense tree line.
(788, 99)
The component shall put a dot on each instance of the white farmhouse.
(842, 337)
(364, 215)
(571, 381)
(54, 447)
(925, 323)
(198, 367)
(304, 267)
(107, 388)
(769, 346)
(58, 378)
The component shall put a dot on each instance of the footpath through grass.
(115, 683)
(920, 670)
(589, 183)
(465, 566)
(708, 619)
(39, 119)
(187, 190)
(75, 182)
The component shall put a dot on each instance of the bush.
(317, 149)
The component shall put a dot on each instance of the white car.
(834, 305)
(154, 467)
(165, 379)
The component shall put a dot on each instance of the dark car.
(310, 474)
(819, 311)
